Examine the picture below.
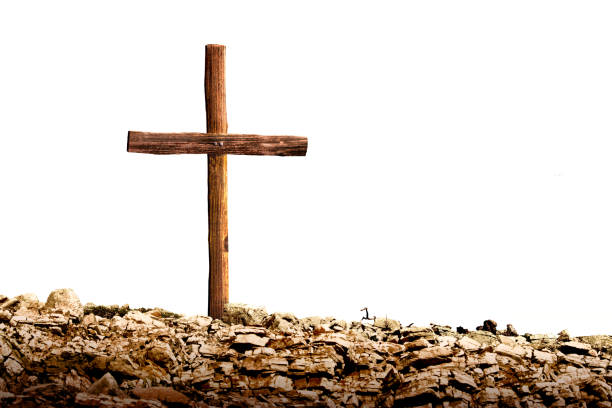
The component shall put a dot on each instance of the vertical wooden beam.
(216, 122)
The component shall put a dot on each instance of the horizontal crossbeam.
(216, 143)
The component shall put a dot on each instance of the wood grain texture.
(216, 122)
(216, 143)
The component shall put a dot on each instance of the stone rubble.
(60, 354)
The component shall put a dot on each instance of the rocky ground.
(60, 353)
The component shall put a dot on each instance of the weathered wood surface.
(216, 122)
(216, 143)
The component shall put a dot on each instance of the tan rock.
(387, 324)
(321, 365)
(311, 395)
(66, 301)
(491, 369)
(285, 322)
(575, 359)
(139, 317)
(338, 325)
(202, 373)
(162, 354)
(105, 385)
(544, 357)
(236, 365)
(322, 383)
(423, 391)
(447, 341)
(408, 334)
(12, 366)
(309, 323)
(89, 400)
(163, 394)
(417, 344)
(575, 347)
(276, 382)
(6, 396)
(261, 363)
(118, 323)
(5, 348)
(281, 382)
(508, 397)
(202, 322)
(333, 338)
(469, 344)
(463, 381)
(596, 362)
(484, 337)
(27, 301)
(516, 351)
(489, 395)
(251, 340)
(89, 320)
(208, 350)
(251, 330)
(426, 357)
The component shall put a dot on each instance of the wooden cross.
(217, 144)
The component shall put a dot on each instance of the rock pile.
(61, 353)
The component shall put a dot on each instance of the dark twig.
(367, 316)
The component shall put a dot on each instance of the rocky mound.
(60, 354)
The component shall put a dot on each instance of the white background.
(459, 162)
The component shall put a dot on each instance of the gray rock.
(598, 341)
(239, 313)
